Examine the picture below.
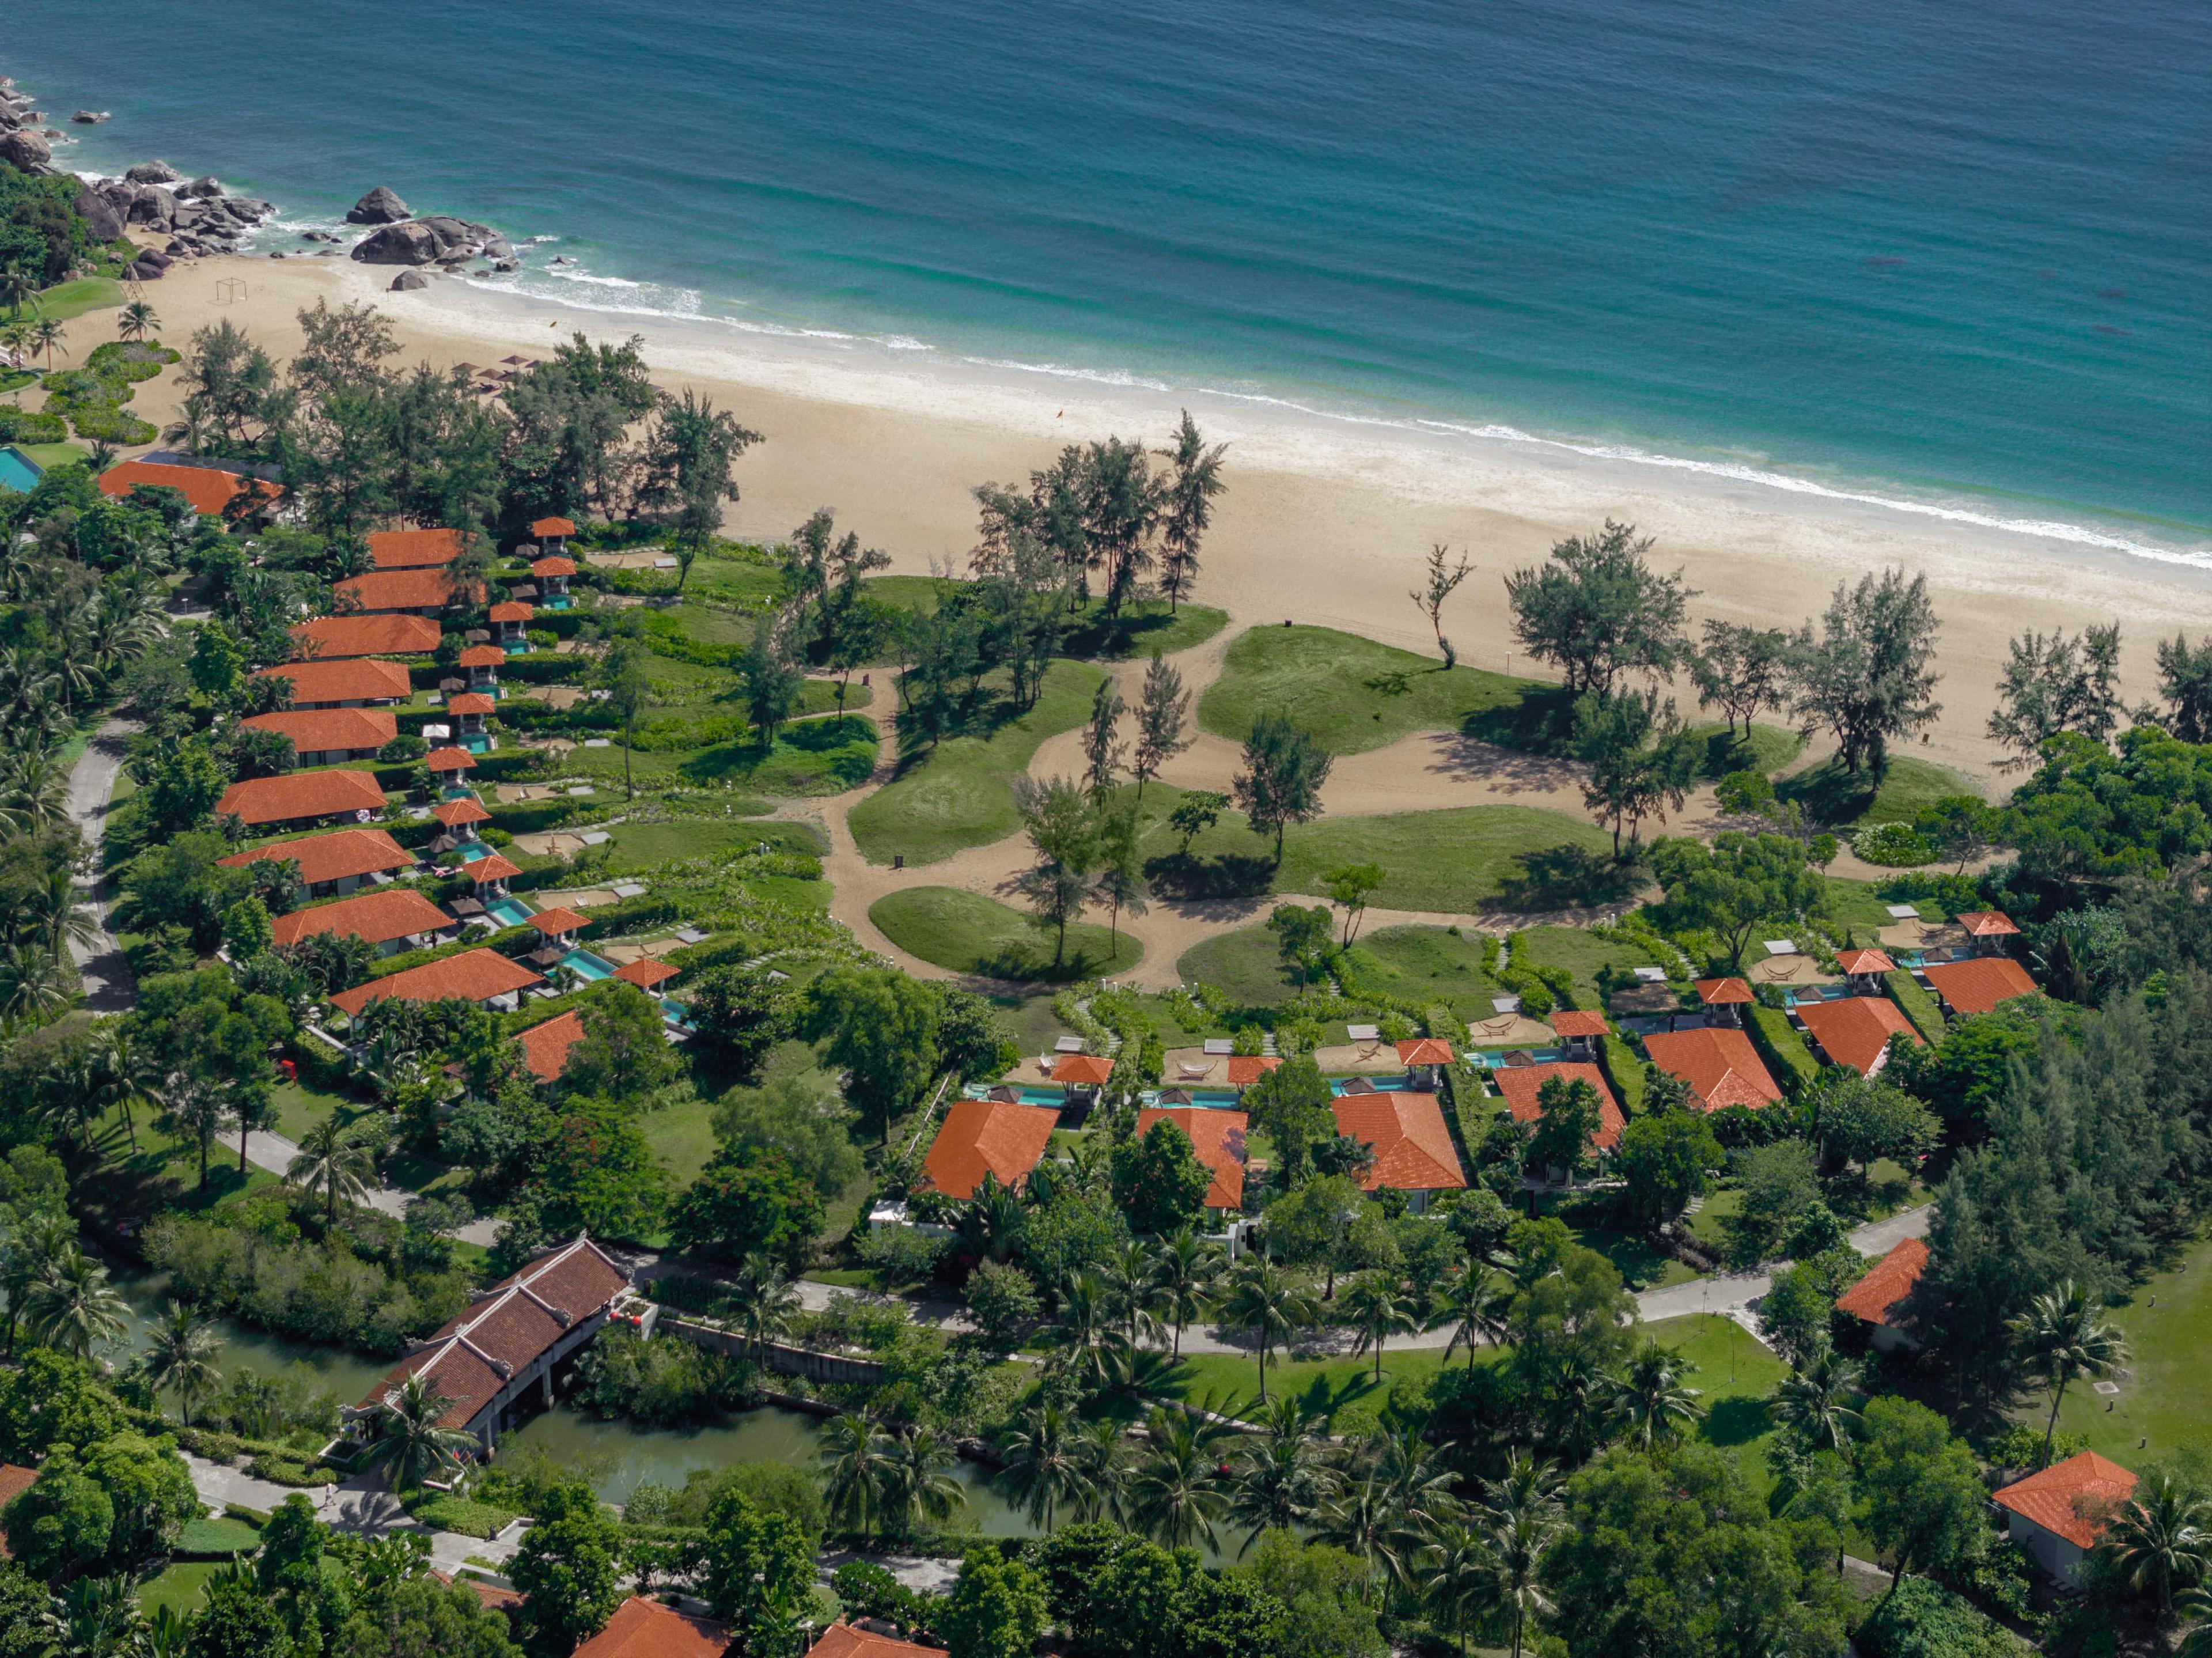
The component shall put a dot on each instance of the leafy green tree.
(757, 1572)
(810, 1129)
(2057, 685)
(1740, 670)
(1120, 882)
(1305, 938)
(1739, 883)
(1064, 834)
(409, 1617)
(62, 1525)
(1159, 1181)
(748, 1201)
(149, 1491)
(184, 789)
(1857, 1120)
(2184, 680)
(1871, 675)
(1163, 714)
(1569, 1127)
(597, 1174)
(336, 1161)
(565, 1568)
(1641, 761)
(24, 1604)
(235, 1620)
(1924, 1494)
(1667, 1160)
(741, 1009)
(1596, 610)
(996, 1608)
(773, 679)
(1199, 811)
(1348, 887)
(1321, 1223)
(1963, 1075)
(880, 1029)
(623, 1052)
(622, 674)
(53, 1399)
(1104, 750)
(1281, 782)
(1003, 1300)
(1188, 508)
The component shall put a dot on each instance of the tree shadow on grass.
(1184, 877)
(1033, 963)
(1829, 794)
(1736, 1421)
(1541, 721)
(1567, 877)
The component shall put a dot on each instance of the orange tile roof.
(1721, 993)
(1864, 960)
(332, 857)
(411, 550)
(646, 1629)
(1720, 1065)
(483, 656)
(454, 813)
(346, 680)
(843, 1641)
(319, 731)
(1856, 1031)
(983, 1137)
(512, 610)
(471, 703)
(208, 489)
(1424, 1050)
(545, 1046)
(645, 973)
(1082, 1070)
(301, 794)
(1245, 1069)
(449, 759)
(1218, 1138)
(552, 526)
(1412, 1148)
(400, 590)
(475, 976)
(2072, 1498)
(1979, 985)
(494, 868)
(1522, 1084)
(327, 637)
(1574, 1022)
(556, 565)
(1987, 924)
(560, 920)
(1886, 1283)
(494, 1596)
(378, 917)
(14, 1480)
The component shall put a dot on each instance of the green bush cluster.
(443, 1511)
(93, 397)
(1893, 846)
(215, 1539)
(23, 426)
(285, 1468)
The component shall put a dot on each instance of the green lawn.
(2162, 1398)
(179, 1585)
(1424, 964)
(1737, 1375)
(968, 932)
(1244, 965)
(809, 756)
(1352, 694)
(1860, 905)
(65, 301)
(641, 846)
(1460, 861)
(1768, 749)
(1342, 1390)
(1832, 796)
(960, 792)
(47, 455)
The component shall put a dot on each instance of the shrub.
(443, 1511)
(1895, 845)
(285, 1470)
(22, 426)
(623, 1374)
(1922, 1619)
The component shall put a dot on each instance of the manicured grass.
(640, 847)
(1582, 954)
(47, 455)
(65, 301)
(179, 1586)
(1768, 749)
(1031, 1022)
(959, 793)
(2168, 1322)
(1781, 1045)
(1922, 1009)
(1424, 964)
(809, 756)
(1245, 965)
(1341, 1390)
(300, 1108)
(1460, 861)
(970, 934)
(1859, 905)
(217, 1539)
(1710, 1224)
(1737, 1375)
(1832, 796)
(1351, 694)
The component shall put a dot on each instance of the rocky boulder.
(154, 173)
(102, 222)
(408, 281)
(147, 267)
(204, 190)
(380, 206)
(26, 152)
(421, 241)
(90, 118)
(153, 208)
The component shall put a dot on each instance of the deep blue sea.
(1953, 252)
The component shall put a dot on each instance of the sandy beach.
(1325, 521)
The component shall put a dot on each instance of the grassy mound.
(1768, 749)
(1834, 797)
(967, 932)
(1139, 630)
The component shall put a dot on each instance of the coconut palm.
(852, 1464)
(96, 1618)
(180, 1358)
(126, 1075)
(409, 1439)
(69, 1094)
(29, 1249)
(53, 913)
(2063, 1336)
(916, 1485)
(1365, 1519)
(72, 1306)
(1042, 1471)
(46, 334)
(1185, 1270)
(2161, 1541)
(33, 984)
(1262, 1300)
(1522, 1518)
(1102, 1467)
(1478, 1308)
(17, 290)
(33, 786)
(1457, 1570)
(1130, 1280)
(1280, 1479)
(763, 1303)
(137, 320)
(1813, 1403)
(1378, 1307)
(1418, 1475)
(1650, 1403)
(336, 1162)
(1175, 1492)
(1090, 1325)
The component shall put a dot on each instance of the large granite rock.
(422, 241)
(102, 222)
(26, 152)
(204, 189)
(154, 209)
(380, 206)
(408, 281)
(154, 173)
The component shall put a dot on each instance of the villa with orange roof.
(301, 797)
(1082, 1074)
(2058, 1513)
(1423, 1058)
(1862, 969)
(545, 1046)
(482, 976)
(491, 876)
(1855, 1030)
(329, 737)
(332, 864)
(1413, 1150)
(1218, 1139)
(1579, 1031)
(208, 488)
(987, 1136)
(841, 1640)
(508, 621)
(481, 663)
(552, 574)
(1522, 1085)
(471, 708)
(354, 682)
(428, 591)
(447, 765)
(646, 1629)
(1878, 1299)
(1246, 1069)
(1977, 984)
(413, 550)
(329, 638)
(394, 920)
(648, 974)
(1987, 929)
(552, 533)
(1724, 1000)
(1718, 1062)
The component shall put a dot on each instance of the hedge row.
(1783, 1048)
(1919, 1006)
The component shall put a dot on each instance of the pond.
(347, 1375)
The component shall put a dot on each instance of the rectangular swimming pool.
(18, 471)
(587, 966)
(507, 911)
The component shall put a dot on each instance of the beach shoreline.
(1323, 522)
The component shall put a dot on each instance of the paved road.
(108, 986)
(275, 1153)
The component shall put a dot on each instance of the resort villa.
(1855, 1030)
(1082, 1075)
(1863, 970)
(482, 663)
(560, 928)
(1412, 1148)
(449, 767)
(482, 976)
(552, 533)
(509, 621)
(2057, 1514)
(545, 1046)
(329, 737)
(1579, 1032)
(302, 796)
(1218, 1139)
(471, 709)
(350, 682)
(1724, 1000)
(428, 591)
(460, 818)
(842, 1640)
(646, 1629)
(413, 550)
(1522, 1085)
(1718, 1062)
(1423, 1058)
(1876, 1300)
(208, 488)
(1977, 984)
(648, 974)
(1987, 930)
(333, 865)
(328, 638)
(399, 919)
(491, 874)
(552, 576)
(998, 1137)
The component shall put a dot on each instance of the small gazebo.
(1724, 1000)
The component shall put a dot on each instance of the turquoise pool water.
(476, 743)
(1218, 1099)
(519, 647)
(1053, 1097)
(1494, 1059)
(1379, 1084)
(18, 471)
(587, 966)
(472, 850)
(507, 911)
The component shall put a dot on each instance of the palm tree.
(338, 1162)
(73, 1307)
(409, 1439)
(32, 1247)
(1265, 1301)
(2160, 1540)
(137, 320)
(181, 1357)
(1477, 1307)
(32, 984)
(1101, 1470)
(1365, 1519)
(1130, 1279)
(916, 1484)
(1174, 1492)
(1184, 1271)
(1457, 1569)
(1280, 1479)
(46, 334)
(96, 1618)
(763, 1303)
(1098, 1355)
(2062, 1336)
(190, 1106)
(1522, 1518)
(15, 290)
(1377, 1306)
(1649, 1401)
(69, 1089)
(1813, 1402)
(1042, 1463)
(1416, 1474)
(127, 1077)
(852, 1463)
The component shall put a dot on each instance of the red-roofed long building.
(346, 683)
(1522, 1085)
(428, 591)
(510, 1341)
(413, 550)
(2058, 1513)
(208, 488)
(331, 638)
(329, 737)
(397, 920)
(1414, 1150)
(646, 1629)
(482, 976)
(1977, 984)
(988, 1137)
(843, 1641)
(301, 797)
(1719, 1064)
(545, 1046)
(1217, 1138)
(333, 865)
(1856, 1031)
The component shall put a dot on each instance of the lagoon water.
(1927, 251)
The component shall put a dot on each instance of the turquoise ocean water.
(1957, 256)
